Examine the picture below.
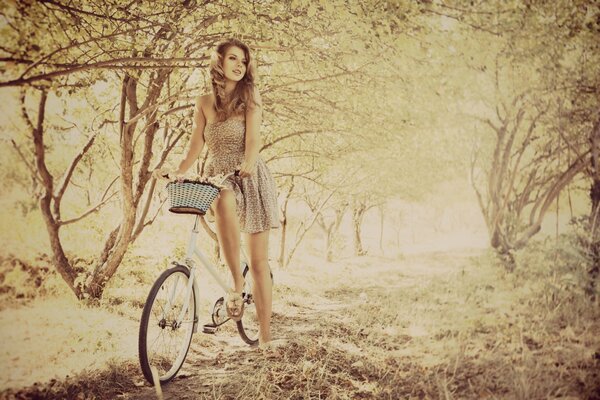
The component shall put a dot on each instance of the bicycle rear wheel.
(248, 326)
(164, 340)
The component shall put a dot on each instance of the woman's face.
(234, 64)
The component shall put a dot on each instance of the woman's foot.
(234, 304)
(272, 345)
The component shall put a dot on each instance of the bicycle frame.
(193, 250)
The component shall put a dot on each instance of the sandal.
(234, 304)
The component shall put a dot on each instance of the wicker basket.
(189, 197)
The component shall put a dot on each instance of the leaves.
(363, 101)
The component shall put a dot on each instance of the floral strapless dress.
(256, 196)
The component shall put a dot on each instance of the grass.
(438, 325)
(114, 379)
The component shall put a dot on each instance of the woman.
(228, 121)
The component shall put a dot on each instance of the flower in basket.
(216, 180)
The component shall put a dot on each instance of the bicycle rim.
(165, 339)
(248, 326)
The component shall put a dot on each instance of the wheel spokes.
(167, 339)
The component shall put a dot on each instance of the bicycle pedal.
(210, 329)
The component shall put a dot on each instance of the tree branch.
(107, 64)
(92, 40)
(298, 133)
(38, 142)
(73, 10)
(92, 210)
(69, 173)
(141, 223)
(22, 95)
(29, 165)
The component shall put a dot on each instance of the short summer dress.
(256, 196)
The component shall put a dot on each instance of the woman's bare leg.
(258, 250)
(228, 232)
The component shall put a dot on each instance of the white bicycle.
(170, 316)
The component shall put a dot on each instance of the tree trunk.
(105, 270)
(49, 211)
(357, 217)
(61, 263)
(131, 192)
(594, 222)
(504, 249)
(329, 245)
(300, 233)
(331, 229)
(381, 220)
(284, 222)
(328, 230)
(281, 257)
(594, 270)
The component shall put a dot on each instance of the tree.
(148, 52)
(62, 65)
(523, 177)
(533, 58)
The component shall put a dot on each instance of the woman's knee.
(259, 266)
(258, 250)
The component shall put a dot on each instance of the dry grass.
(111, 381)
(437, 325)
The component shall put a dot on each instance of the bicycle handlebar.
(170, 178)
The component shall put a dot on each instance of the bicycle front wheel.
(165, 330)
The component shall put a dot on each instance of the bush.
(560, 269)
(588, 250)
(24, 279)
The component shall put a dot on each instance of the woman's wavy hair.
(243, 94)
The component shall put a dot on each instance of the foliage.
(364, 102)
(562, 266)
(540, 69)
(148, 54)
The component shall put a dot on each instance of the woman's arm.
(253, 139)
(197, 139)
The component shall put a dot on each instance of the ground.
(432, 325)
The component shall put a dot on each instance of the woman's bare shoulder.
(205, 99)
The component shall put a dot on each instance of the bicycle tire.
(248, 330)
(166, 365)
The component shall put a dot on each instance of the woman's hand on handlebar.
(160, 173)
(163, 173)
(247, 169)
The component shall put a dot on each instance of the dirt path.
(305, 317)
(214, 361)
(435, 325)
